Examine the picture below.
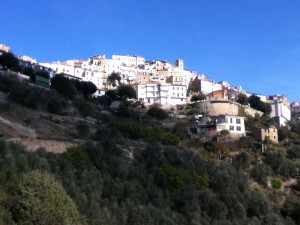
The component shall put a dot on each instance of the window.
(238, 128)
(230, 120)
(238, 121)
(231, 127)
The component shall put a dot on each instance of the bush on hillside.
(7, 80)
(57, 105)
(137, 130)
(157, 112)
(84, 107)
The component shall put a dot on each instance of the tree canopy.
(43, 201)
(242, 99)
(9, 61)
(113, 78)
(87, 88)
(126, 91)
(198, 97)
(64, 86)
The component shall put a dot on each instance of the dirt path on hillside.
(16, 129)
(49, 145)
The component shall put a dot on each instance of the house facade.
(209, 127)
(234, 124)
(281, 112)
(295, 108)
(261, 134)
(161, 93)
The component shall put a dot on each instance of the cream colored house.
(261, 134)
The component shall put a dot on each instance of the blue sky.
(252, 43)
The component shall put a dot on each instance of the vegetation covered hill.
(126, 168)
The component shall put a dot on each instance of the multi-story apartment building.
(165, 94)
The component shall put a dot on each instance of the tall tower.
(179, 63)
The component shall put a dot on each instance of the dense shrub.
(153, 133)
(198, 97)
(161, 185)
(57, 105)
(32, 97)
(157, 112)
(7, 80)
(84, 107)
(260, 173)
(294, 152)
(63, 85)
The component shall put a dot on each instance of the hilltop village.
(217, 105)
(123, 140)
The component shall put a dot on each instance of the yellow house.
(261, 134)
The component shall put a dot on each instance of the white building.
(27, 58)
(295, 108)
(4, 48)
(162, 94)
(235, 124)
(281, 112)
(129, 60)
(132, 70)
(208, 86)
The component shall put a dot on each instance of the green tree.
(241, 161)
(193, 86)
(291, 208)
(113, 78)
(42, 200)
(242, 99)
(9, 61)
(56, 104)
(157, 112)
(261, 172)
(126, 91)
(112, 94)
(87, 88)
(77, 155)
(64, 86)
(256, 103)
(198, 97)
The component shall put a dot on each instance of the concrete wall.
(218, 107)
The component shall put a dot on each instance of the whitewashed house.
(161, 93)
(234, 124)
